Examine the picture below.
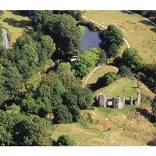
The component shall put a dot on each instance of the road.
(5, 41)
(105, 28)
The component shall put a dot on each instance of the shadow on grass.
(146, 23)
(145, 113)
(152, 142)
(126, 12)
(153, 29)
(20, 24)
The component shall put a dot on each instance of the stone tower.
(137, 101)
(118, 102)
(131, 100)
(102, 100)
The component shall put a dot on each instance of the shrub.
(64, 140)
(124, 71)
(91, 26)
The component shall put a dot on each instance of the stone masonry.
(116, 102)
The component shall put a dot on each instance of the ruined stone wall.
(116, 102)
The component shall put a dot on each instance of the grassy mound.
(16, 24)
(123, 87)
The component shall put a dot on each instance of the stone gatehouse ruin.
(116, 102)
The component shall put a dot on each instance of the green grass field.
(16, 24)
(139, 33)
(123, 87)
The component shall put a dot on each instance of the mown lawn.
(139, 33)
(16, 24)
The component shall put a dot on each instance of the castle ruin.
(116, 102)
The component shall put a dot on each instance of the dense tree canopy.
(65, 33)
(124, 71)
(75, 13)
(132, 58)
(48, 45)
(115, 36)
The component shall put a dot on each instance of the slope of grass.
(16, 24)
(123, 87)
(101, 72)
(139, 33)
(110, 127)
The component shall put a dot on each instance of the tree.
(97, 54)
(118, 61)
(91, 26)
(153, 104)
(48, 45)
(32, 131)
(81, 70)
(32, 55)
(68, 79)
(66, 35)
(29, 104)
(75, 13)
(115, 36)
(124, 71)
(13, 110)
(113, 50)
(132, 58)
(64, 67)
(57, 87)
(82, 30)
(84, 66)
(64, 140)
(106, 79)
(3, 90)
(13, 78)
(1, 12)
(6, 138)
(62, 115)
(24, 39)
(1, 33)
(83, 97)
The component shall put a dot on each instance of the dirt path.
(91, 74)
(105, 28)
(5, 41)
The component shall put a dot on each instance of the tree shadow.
(145, 113)
(153, 29)
(20, 24)
(152, 142)
(93, 87)
(126, 12)
(146, 23)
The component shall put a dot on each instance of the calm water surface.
(90, 39)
